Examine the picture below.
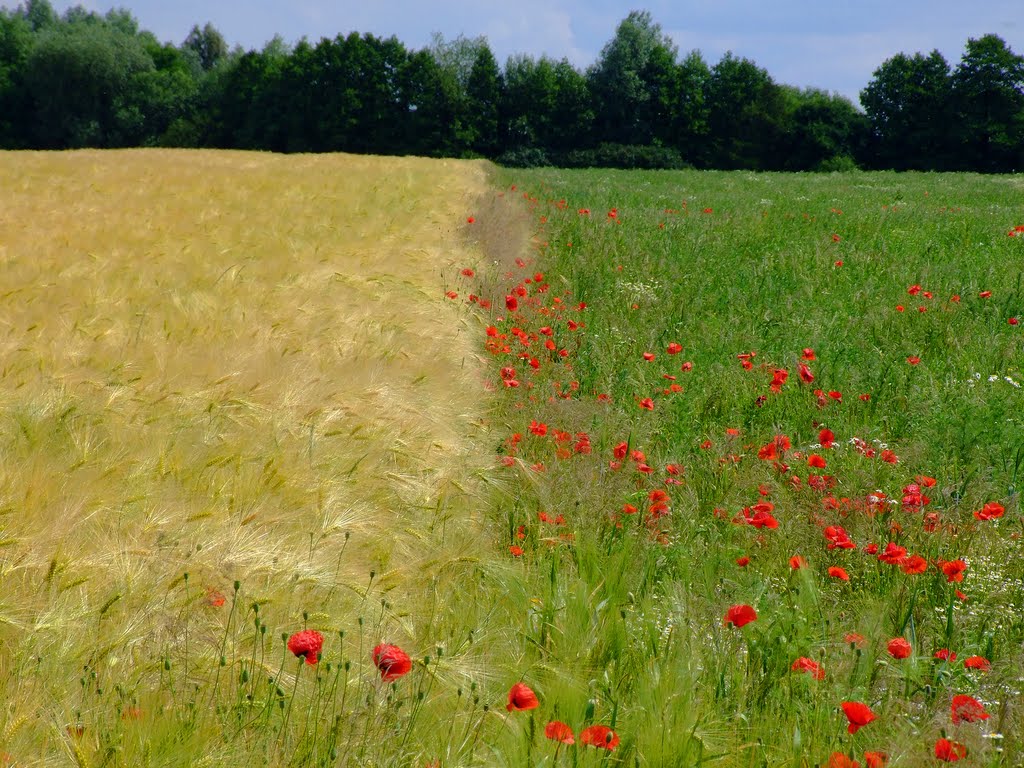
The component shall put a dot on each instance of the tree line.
(82, 79)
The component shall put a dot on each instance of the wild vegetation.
(313, 461)
(90, 80)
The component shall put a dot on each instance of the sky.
(831, 44)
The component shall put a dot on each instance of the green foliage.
(85, 79)
(907, 103)
(988, 90)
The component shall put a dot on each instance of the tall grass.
(269, 394)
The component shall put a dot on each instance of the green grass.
(631, 623)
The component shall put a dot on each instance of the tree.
(77, 79)
(634, 82)
(746, 115)
(690, 128)
(907, 104)
(15, 44)
(988, 97)
(483, 93)
(822, 129)
(208, 44)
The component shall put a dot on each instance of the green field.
(357, 405)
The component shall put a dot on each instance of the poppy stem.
(291, 701)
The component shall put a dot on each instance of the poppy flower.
(914, 565)
(647, 404)
(674, 348)
(743, 562)
(838, 573)
(796, 562)
(991, 511)
(307, 645)
(560, 732)
(984, 294)
(949, 751)
(840, 760)
(875, 759)
(599, 736)
(953, 569)
(913, 360)
(467, 272)
(967, 709)
(470, 220)
(852, 638)
(739, 615)
(816, 461)
(810, 666)
(806, 376)
(392, 662)
(516, 550)
(893, 554)
(978, 662)
(944, 654)
(215, 599)
(858, 714)
(521, 697)
(899, 648)
(649, 356)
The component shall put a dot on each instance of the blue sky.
(830, 44)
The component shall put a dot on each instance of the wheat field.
(224, 377)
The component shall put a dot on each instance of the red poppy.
(516, 551)
(215, 599)
(674, 348)
(914, 565)
(739, 615)
(796, 562)
(990, 511)
(893, 554)
(978, 662)
(743, 562)
(808, 354)
(953, 569)
(599, 736)
(838, 573)
(810, 666)
(806, 376)
(838, 538)
(647, 404)
(511, 303)
(984, 294)
(840, 760)
(913, 360)
(967, 709)
(827, 438)
(521, 697)
(944, 654)
(392, 662)
(307, 645)
(467, 272)
(854, 639)
(858, 714)
(559, 731)
(816, 461)
(949, 751)
(899, 648)
(648, 356)
(875, 759)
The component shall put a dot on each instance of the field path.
(237, 365)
